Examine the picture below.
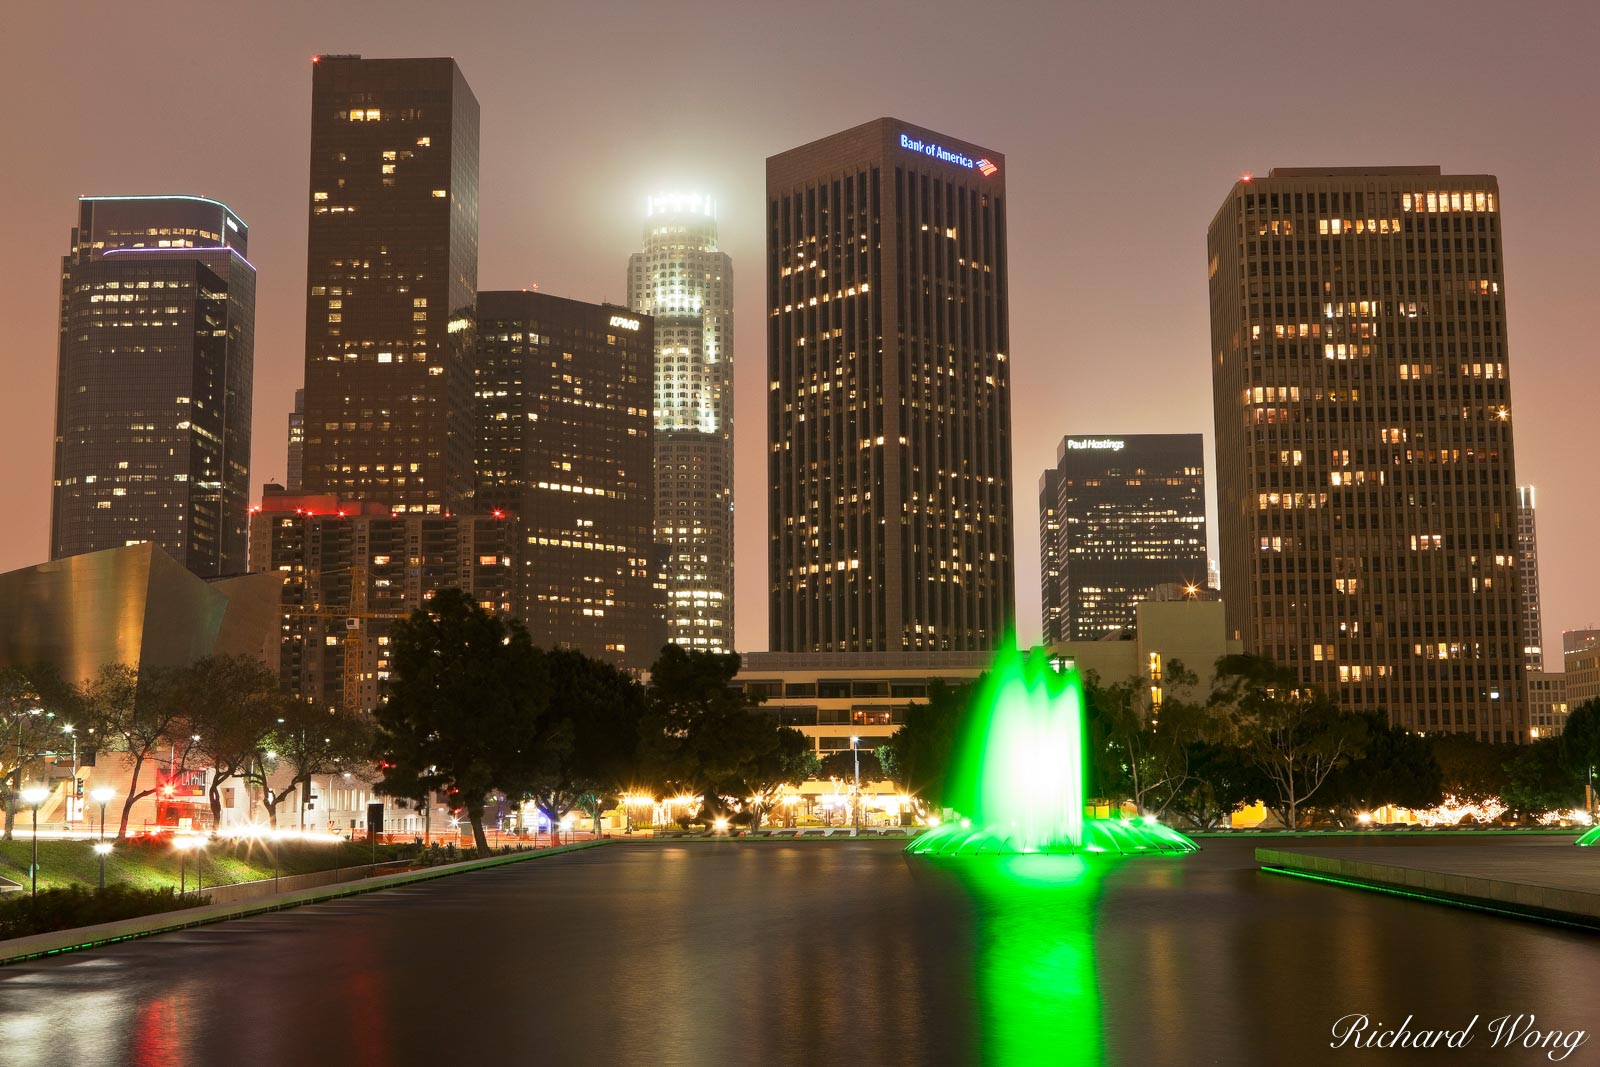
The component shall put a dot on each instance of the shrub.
(61, 909)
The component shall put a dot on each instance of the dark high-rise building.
(888, 394)
(153, 396)
(564, 392)
(1051, 609)
(684, 282)
(1367, 486)
(1129, 515)
(351, 570)
(1528, 566)
(392, 270)
(297, 441)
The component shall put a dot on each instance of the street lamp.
(183, 845)
(102, 795)
(33, 796)
(102, 849)
(855, 821)
(72, 797)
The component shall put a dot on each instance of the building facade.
(1129, 514)
(888, 395)
(1367, 485)
(350, 570)
(297, 442)
(564, 392)
(1528, 569)
(1547, 704)
(1581, 654)
(392, 270)
(156, 363)
(1051, 609)
(685, 283)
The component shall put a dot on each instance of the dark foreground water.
(810, 953)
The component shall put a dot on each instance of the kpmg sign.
(939, 152)
(622, 322)
(1096, 444)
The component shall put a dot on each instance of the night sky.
(1123, 127)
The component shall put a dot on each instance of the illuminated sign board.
(937, 151)
(1096, 444)
(624, 323)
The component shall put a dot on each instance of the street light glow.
(102, 794)
(102, 848)
(34, 795)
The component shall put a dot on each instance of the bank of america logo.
(988, 168)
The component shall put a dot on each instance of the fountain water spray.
(1018, 775)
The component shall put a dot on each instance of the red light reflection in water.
(160, 1033)
(369, 1027)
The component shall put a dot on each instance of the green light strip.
(1457, 902)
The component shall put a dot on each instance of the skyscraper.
(564, 394)
(1129, 515)
(888, 394)
(392, 266)
(297, 441)
(1528, 568)
(685, 283)
(1367, 486)
(155, 368)
(1051, 609)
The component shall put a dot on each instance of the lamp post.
(102, 849)
(33, 796)
(72, 797)
(102, 794)
(183, 845)
(855, 801)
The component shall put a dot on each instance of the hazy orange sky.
(1123, 127)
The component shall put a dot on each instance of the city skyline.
(1071, 257)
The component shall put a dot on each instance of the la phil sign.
(945, 155)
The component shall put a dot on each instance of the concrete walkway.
(27, 948)
(1548, 880)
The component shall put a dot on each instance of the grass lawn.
(154, 865)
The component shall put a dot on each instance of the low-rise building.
(833, 697)
(1581, 652)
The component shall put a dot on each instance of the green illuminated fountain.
(1018, 778)
(1590, 838)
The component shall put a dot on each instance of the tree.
(790, 761)
(1470, 770)
(703, 734)
(919, 753)
(232, 705)
(1581, 742)
(1292, 732)
(1149, 751)
(1397, 767)
(31, 702)
(1222, 780)
(464, 705)
(310, 741)
(138, 712)
(592, 736)
(1539, 778)
(842, 765)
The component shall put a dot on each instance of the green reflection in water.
(1038, 993)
